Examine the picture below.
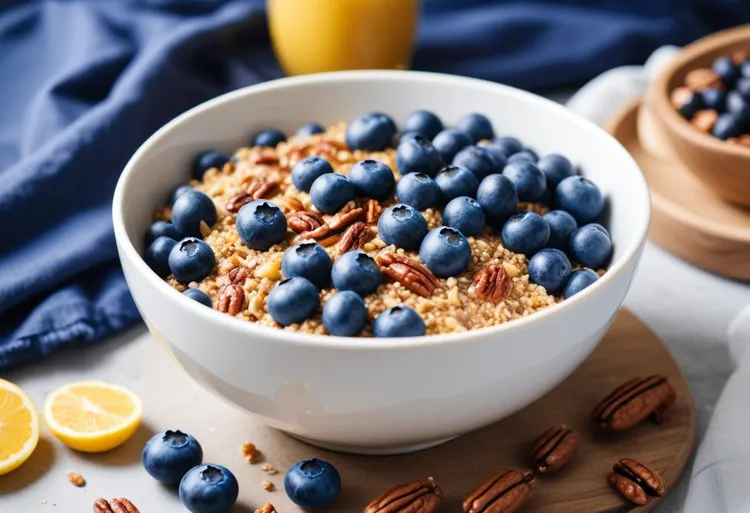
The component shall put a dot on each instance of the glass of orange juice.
(312, 36)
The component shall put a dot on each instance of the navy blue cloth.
(84, 83)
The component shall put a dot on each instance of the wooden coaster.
(629, 349)
(687, 219)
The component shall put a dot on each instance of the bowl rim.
(671, 117)
(128, 250)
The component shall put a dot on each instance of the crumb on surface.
(269, 469)
(76, 479)
(268, 486)
(250, 452)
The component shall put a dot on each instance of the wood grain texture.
(628, 350)
(687, 218)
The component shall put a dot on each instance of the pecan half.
(239, 275)
(121, 505)
(702, 78)
(553, 449)
(409, 273)
(231, 299)
(319, 233)
(306, 221)
(263, 156)
(372, 211)
(421, 496)
(260, 188)
(492, 283)
(330, 240)
(340, 220)
(634, 401)
(635, 481)
(501, 493)
(354, 237)
(238, 201)
(266, 508)
(704, 120)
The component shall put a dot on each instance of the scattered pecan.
(330, 240)
(266, 508)
(704, 120)
(238, 201)
(421, 496)
(259, 189)
(263, 156)
(372, 211)
(250, 452)
(121, 505)
(634, 401)
(702, 78)
(318, 233)
(291, 204)
(501, 493)
(492, 283)
(342, 220)
(76, 479)
(268, 486)
(635, 481)
(231, 299)
(239, 275)
(680, 97)
(553, 449)
(305, 221)
(409, 273)
(269, 469)
(354, 237)
(348, 207)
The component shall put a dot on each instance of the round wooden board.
(687, 219)
(629, 349)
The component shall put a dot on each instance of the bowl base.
(385, 450)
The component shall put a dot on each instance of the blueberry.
(356, 271)
(579, 197)
(455, 181)
(465, 215)
(191, 259)
(331, 191)
(526, 155)
(477, 126)
(424, 123)
(308, 260)
(726, 126)
(162, 229)
(561, 225)
(168, 456)
(269, 137)
(693, 104)
(445, 252)
(590, 245)
(525, 232)
(418, 190)
(399, 321)
(555, 169)
(405, 136)
(507, 145)
(293, 300)
(578, 281)
(498, 197)
(450, 141)
(309, 169)
(190, 209)
(714, 98)
(179, 191)
(310, 129)
(372, 179)
(530, 182)
(312, 484)
(402, 226)
(209, 488)
(200, 296)
(726, 70)
(745, 69)
(417, 155)
(479, 160)
(345, 314)
(157, 255)
(370, 132)
(743, 86)
(261, 224)
(207, 160)
(738, 106)
(550, 268)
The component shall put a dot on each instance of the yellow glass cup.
(313, 36)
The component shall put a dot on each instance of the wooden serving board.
(629, 349)
(687, 219)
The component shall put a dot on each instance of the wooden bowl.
(723, 167)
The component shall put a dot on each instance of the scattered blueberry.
(209, 489)
(561, 225)
(179, 191)
(745, 69)
(308, 260)
(163, 229)
(190, 209)
(206, 161)
(726, 70)
(591, 245)
(477, 126)
(310, 129)
(191, 259)
(530, 182)
(445, 252)
(726, 126)
(498, 197)
(309, 169)
(738, 106)
(417, 155)
(312, 484)
(200, 296)
(372, 179)
(507, 145)
(157, 255)
(455, 181)
(743, 86)
(580, 197)
(168, 456)
(405, 136)
(479, 160)
(525, 232)
(293, 300)
(269, 137)
(402, 226)
(714, 98)
(550, 268)
(370, 132)
(578, 281)
(345, 314)
(555, 169)
(527, 155)
(261, 224)
(331, 191)
(399, 321)
(356, 271)
(450, 141)
(424, 123)
(418, 190)
(465, 215)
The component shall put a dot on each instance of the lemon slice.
(19, 427)
(92, 416)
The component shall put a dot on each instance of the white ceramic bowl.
(385, 395)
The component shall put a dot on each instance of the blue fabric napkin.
(84, 83)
